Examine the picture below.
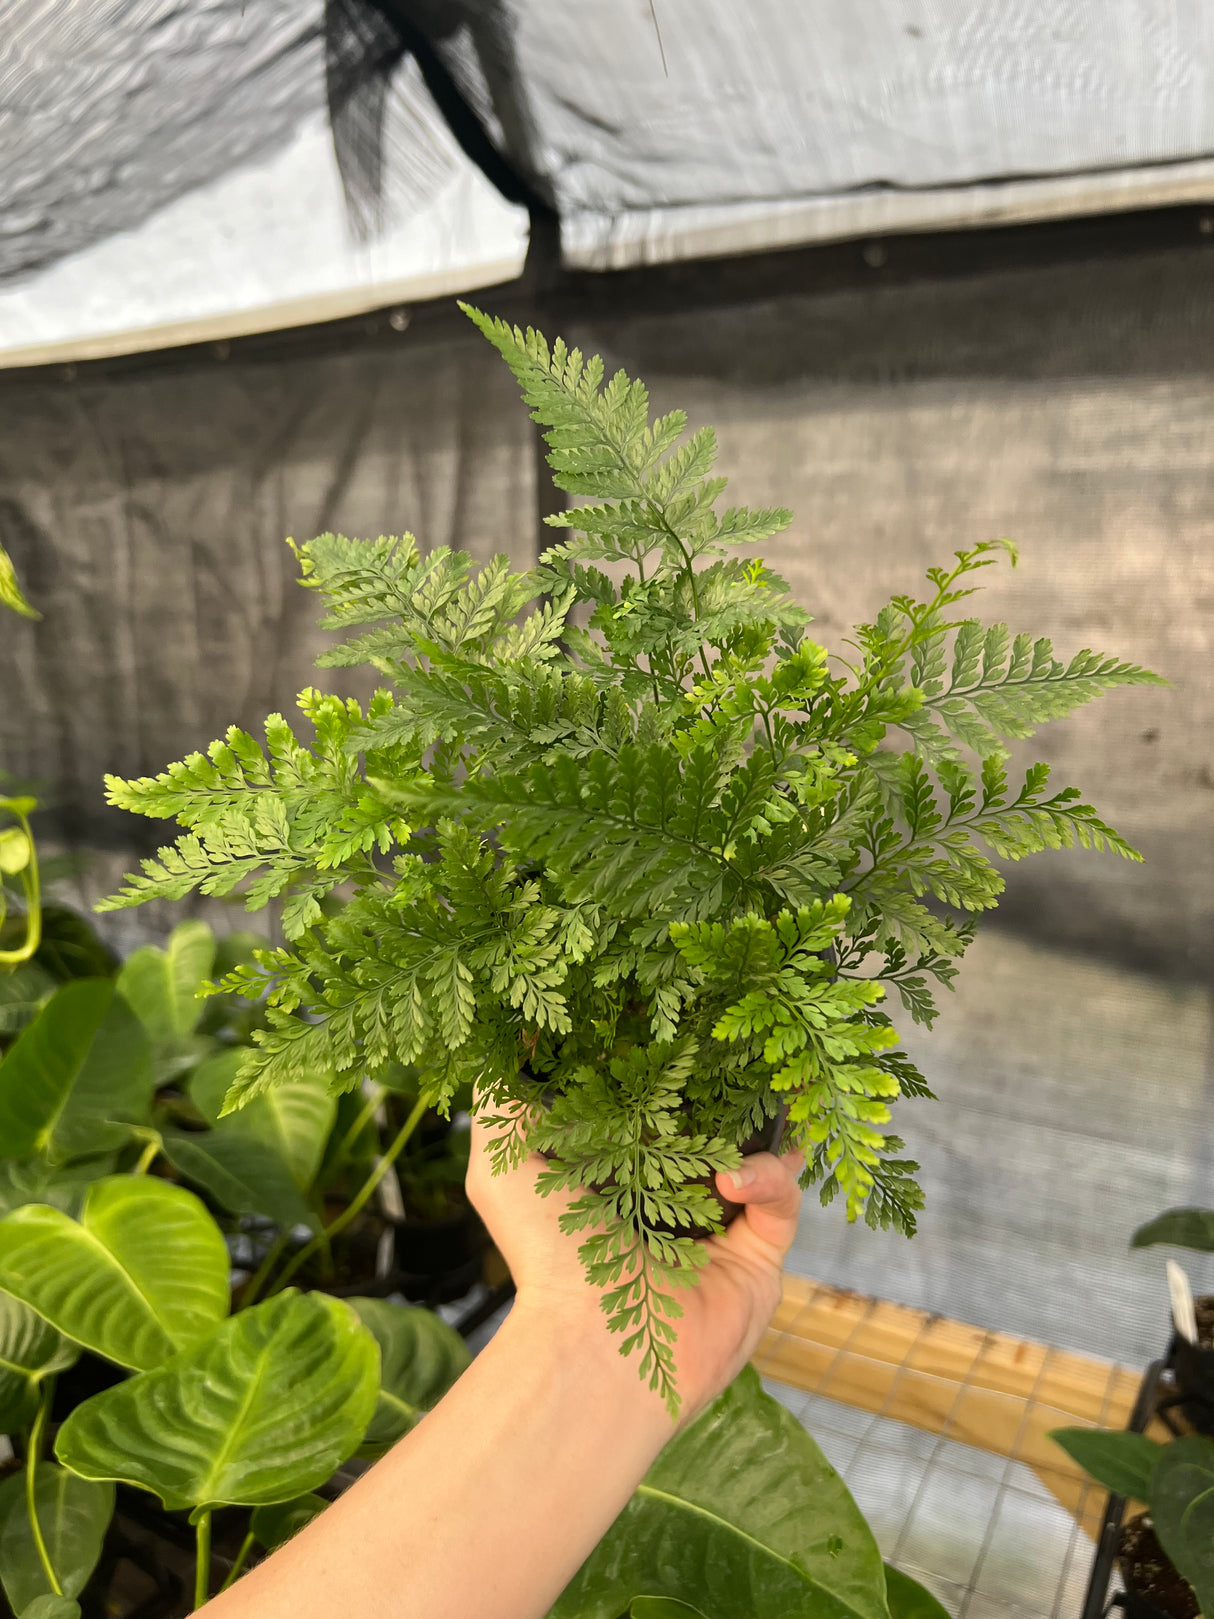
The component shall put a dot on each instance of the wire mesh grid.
(1004, 1532)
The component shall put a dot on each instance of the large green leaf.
(293, 1119)
(242, 1174)
(142, 1274)
(51, 1607)
(1186, 1228)
(23, 992)
(420, 1358)
(741, 1515)
(78, 1069)
(1122, 1462)
(1182, 1507)
(908, 1600)
(273, 1526)
(73, 1515)
(63, 1186)
(162, 987)
(261, 1411)
(30, 1349)
(662, 1608)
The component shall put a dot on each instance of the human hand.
(724, 1313)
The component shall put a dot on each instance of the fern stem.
(32, 1458)
(202, 1558)
(360, 1199)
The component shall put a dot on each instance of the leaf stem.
(147, 1158)
(31, 891)
(242, 1557)
(260, 1276)
(32, 1456)
(202, 1560)
(360, 1199)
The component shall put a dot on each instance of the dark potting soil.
(1204, 1310)
(1147, 1570)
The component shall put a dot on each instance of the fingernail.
(744, 1175)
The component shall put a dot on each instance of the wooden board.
(987, 1389)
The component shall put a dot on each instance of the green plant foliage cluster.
(109, 1078)
(623, 845)
(1176, 1481)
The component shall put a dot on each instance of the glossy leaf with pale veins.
(420, 1358)
(142, 1274)
(61, 1186)
(293, 1120)
(73, 1514)
(741, 1515)
(51, 1607)
(261, 1411)
(1182, 1507)
(162, 988)
(74, 1074)
(273, 1526)
(242, 1174)
(30, 1349)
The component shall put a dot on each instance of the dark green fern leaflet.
(621, 843)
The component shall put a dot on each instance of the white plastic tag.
(1184, 1316)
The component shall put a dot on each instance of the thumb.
(767, 1187)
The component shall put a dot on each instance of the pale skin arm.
(490, 1506)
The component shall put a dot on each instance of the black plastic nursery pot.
(1192, 1369)
(1127, 1544)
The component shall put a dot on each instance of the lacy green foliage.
(622, 844)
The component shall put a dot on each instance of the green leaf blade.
(420, 1358)
(1123, 1462)
(141, 1274)
(907, 1598)
(30, 1350)
(1184, 1228)
(73, 1515)
(740, 1515)
(260, 1412)
(73, 1075)
(241, 1173)
(1182, 1507)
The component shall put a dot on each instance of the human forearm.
(489, 1507)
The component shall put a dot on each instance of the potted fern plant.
(623, 846)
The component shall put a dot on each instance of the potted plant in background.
(1166, 1552)
(1191, 1351)
(623, 846)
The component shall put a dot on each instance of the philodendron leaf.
(1182, 1507)
(261, 1411)
(662, 1608)
(908, 1600)
(30, 1349)
(142, 1274)
(62, 1186)
(273, 1526)
(73, 1515)
(1186, 1228)
(293, 1120)
(1122, 1462)
(162, 988)
(242, 1174)
(420, 1358)
(740, 1515)
(73, 1075)
(51, 1607)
